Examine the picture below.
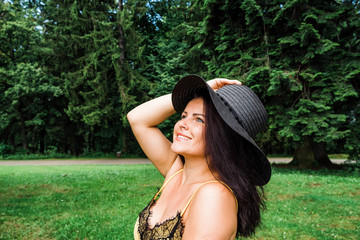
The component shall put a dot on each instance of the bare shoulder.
(217, 197)
(212, 213)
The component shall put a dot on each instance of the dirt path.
(54, 162)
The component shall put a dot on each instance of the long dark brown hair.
(229, 155)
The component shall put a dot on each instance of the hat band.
(233, 112)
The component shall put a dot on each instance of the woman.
(212, 168)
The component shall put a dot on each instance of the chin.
(175, 149)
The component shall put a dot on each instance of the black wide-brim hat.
(239, 107)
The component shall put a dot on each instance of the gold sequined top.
(172, 228)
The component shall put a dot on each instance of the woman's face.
(188, 138)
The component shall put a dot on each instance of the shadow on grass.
(345, 170)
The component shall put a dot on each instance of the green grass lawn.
(102, 202)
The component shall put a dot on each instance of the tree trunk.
(304, 156)
(91, 140)
(320, 153)
(122, 49)
(311, 154)
(23, 132)
(12, 140)
(123, 140)
(42, 140)
(121, 38)
(267, 45)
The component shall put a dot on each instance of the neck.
(196, 170)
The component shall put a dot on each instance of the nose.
(183, 124)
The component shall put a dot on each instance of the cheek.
(201, 133)
(176, 127)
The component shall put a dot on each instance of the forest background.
(71, 70)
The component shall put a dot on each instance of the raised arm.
(143, 121)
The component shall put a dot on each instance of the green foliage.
(173, 48)
(353, 141)
(27, 92)
(88, 40)
(75, 47)
(23, 155)
(71, 70)
(293, 55)
(5, 149)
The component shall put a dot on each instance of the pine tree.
(300, 57)
(171, 32)
(96, 53)
(316, 70)
(26, 90)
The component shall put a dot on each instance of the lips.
(182, 137)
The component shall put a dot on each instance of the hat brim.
(183, 93)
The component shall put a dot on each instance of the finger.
(218, 83)
(224, 81)
(233, 81)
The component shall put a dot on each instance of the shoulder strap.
(214, 181)
(167, 181)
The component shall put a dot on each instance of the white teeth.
(183, 137)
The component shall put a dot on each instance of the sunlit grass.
(102, 202)
(312, 205)
(73, 202)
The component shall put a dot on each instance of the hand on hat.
(218, 83)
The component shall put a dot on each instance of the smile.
(182, 137)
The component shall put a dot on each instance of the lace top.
(172, 228)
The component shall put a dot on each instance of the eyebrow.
(198, 114)
(195, 114)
